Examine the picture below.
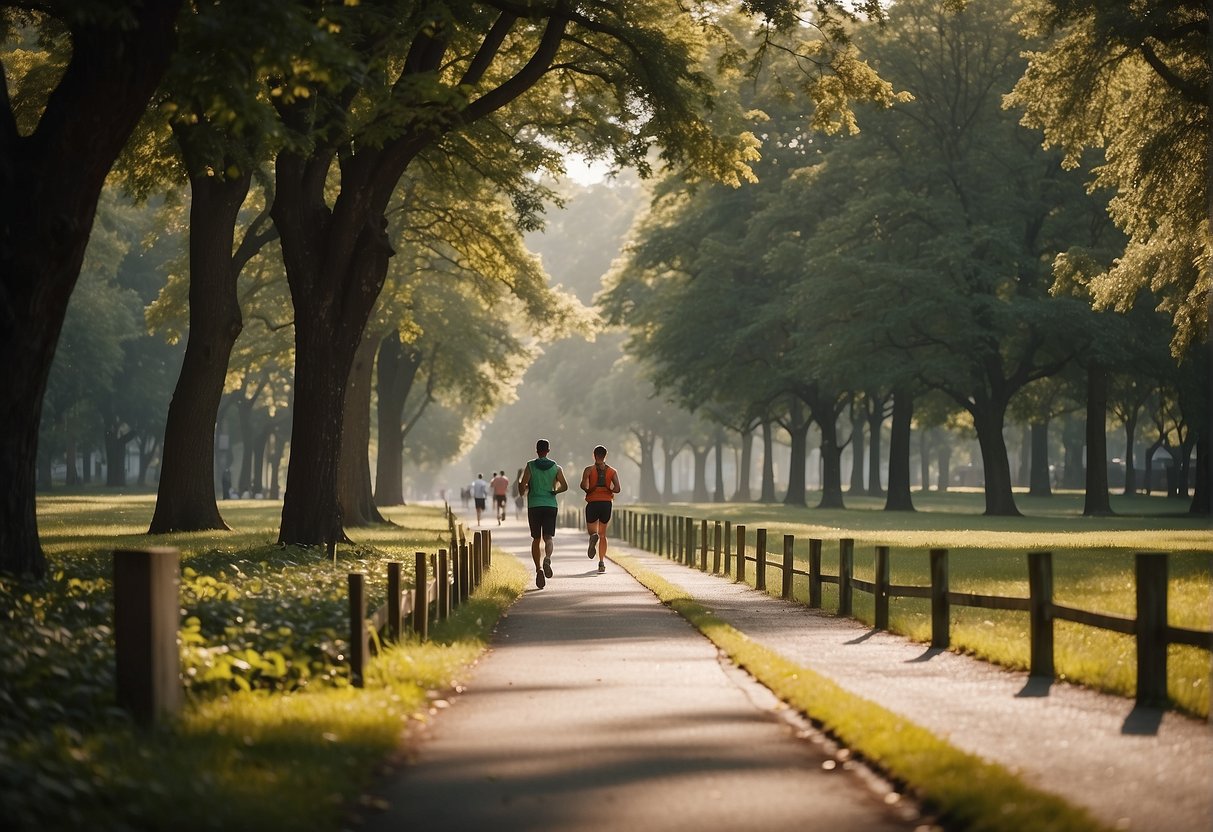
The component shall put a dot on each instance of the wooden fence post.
(846, 567)
(881, 595)
(688, 553)
(940, 608)
(1151, 570)
(741, 552)
(760, 560)
(421, 606)
(815, 572)
(394, 595)
(488, 549)
(444, 584)
(357, 649)
(703, 545)
(789, 562)
(147, 609)
(465, 572)
(477, 559)
(716, 537)
(1040, 613)
(728, 547)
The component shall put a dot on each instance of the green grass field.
(1093, 570)
(272, 734)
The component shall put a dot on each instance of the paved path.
(1140, 769)
(599, 709)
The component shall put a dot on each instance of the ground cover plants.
(272, 734)
(1093, 570)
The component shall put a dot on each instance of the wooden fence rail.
(675, 537)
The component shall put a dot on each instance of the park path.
(597, 708)
(1133, 768)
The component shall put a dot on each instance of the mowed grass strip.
(1093, 563)
(295, 750)
(965, 791)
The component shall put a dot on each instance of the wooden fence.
(147, 614)
(676, 537)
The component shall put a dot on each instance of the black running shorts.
(542, 520)
(599, 511)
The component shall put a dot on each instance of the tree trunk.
(276, 453)
(718, 492)
(44, 472)
(648, 473)
(397, 370)
(244, 418)
(71, 457)
(50, 182)
(1097, 502)
(743, 469)
(945, 466)
(1204, 485)
(1130, 464)
(354, 483)
(1040, 482)
(147, 452)
(116, 439)
(667, 486)
(767, 494)
(1024, 475)
(263, 438)
(699, 493)
(1000, 501)
(185, 496)
(899, 498)
(831, 464)
(1073, 437)
(875, 424)
(858, 420)
(924, 458)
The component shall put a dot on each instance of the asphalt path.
(597, 708)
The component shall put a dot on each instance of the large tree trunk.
(767, 494)
(718, 491)
(1073, 438)
(1024, 475)
(1040, 481)
(354, 483)
(667, 485)
(858, 420)
(742, 494)
(1096, 502)
(276, 452)
(875, 423)
(244, 418)
(831, 463)
(185, 497)
(648, 473)
(699, 492)
(50, 182)
(899, 498)
(44, 472)
(147, 452)
(798, 429)
(116, 439)
(924, 458)
(396, 371)
(1000, 501)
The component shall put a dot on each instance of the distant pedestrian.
(519, 500)
(501, 489)
(480, 495)
(600, 482)
(541, 480)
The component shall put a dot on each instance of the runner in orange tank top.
(600, 482)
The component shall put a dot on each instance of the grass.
(964, 790)
(261, 743)
(1092, 561)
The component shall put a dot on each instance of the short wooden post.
(741, 552)
(688, 554)
(395, 594)
(1151, 570)
(716, 538)
(358, 646)
(789, 563)
(846, 567)
(815, 572)
(488, 549)
(760, 560)
(465, 572)
(881, 595)
(147, 610)
(940, 608)
(421, 606)
(728, 547)
(477, 559)
(1040, 613)
(703, 545)
(444, 585)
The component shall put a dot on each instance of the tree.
(55, 152)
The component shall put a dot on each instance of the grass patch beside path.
(272, 736)
(964, 790)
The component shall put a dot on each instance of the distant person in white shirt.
(480, 494)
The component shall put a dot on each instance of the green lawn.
(1093, 570)
(272, 734)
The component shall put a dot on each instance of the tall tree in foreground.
(55, 152)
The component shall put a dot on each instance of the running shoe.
(593, 544)
(601, 567)
(547, 566)
(539, 581)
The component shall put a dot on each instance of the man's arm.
(614, 481)
(585, 479)
(525, 483)
(561, 484)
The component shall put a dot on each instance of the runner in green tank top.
(542, 479)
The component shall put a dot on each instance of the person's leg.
(549, 542)
(533, 520)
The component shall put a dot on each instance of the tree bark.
(1072, 440)
(798, 429)
(899, 497)
(1000, 501)
(1023, 476)
(718, 492)
(1040, 483)
(945, 466)
(185, 496)
(831, 463)
(648, 474)
(767, 494)
(244, 418)
(1096, 502)
(699, 492)
(742, 495)
(116, 440)
(70, 458)
(858, 421)
(924, 458)
(354, 484)
(44, 472)
(396, 371)
(875, 423)
(1130, 426)
(667, 488)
